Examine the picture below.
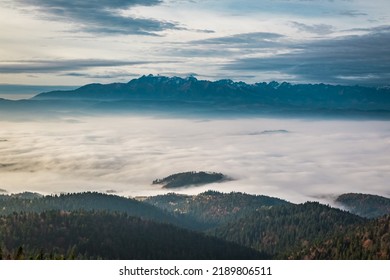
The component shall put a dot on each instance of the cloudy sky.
(62, 42)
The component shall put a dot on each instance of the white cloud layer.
(313, 161)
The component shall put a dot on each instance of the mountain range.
(160, 93)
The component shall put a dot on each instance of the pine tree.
(19, 254)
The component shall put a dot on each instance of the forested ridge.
(103, 235)
(370, 240)
(213, 208)
(281, 231)
(366, 205)
(29, 202)
(211, 225)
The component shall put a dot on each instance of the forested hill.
(190, 89)
(283, 230)
(213, 208)
(370, 240)
(88, 201)
(366, 205)
(191, 178)
(102, 235)
(175, 226)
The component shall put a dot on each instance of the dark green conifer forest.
(211, 225)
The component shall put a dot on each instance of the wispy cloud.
(101, 17)
(360, 59)
(103, 75)
(353, 13)
(228, 47)
(320, 29)
(54, 66)
(258, 39)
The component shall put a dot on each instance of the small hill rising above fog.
(191, 178)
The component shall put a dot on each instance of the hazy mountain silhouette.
(192, 96)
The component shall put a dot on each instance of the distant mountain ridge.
(191, 97)
(227, 91)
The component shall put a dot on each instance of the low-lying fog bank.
(297, 160)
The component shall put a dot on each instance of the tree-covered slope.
(213, 208)
(283, 230)
(365, 205)
(366, 241)
(102, 235)
(85, 201)
(94, 225)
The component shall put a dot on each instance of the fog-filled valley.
(294, 159)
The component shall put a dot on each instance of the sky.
(69, 43)
(297, 160)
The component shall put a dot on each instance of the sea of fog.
(294, 159)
